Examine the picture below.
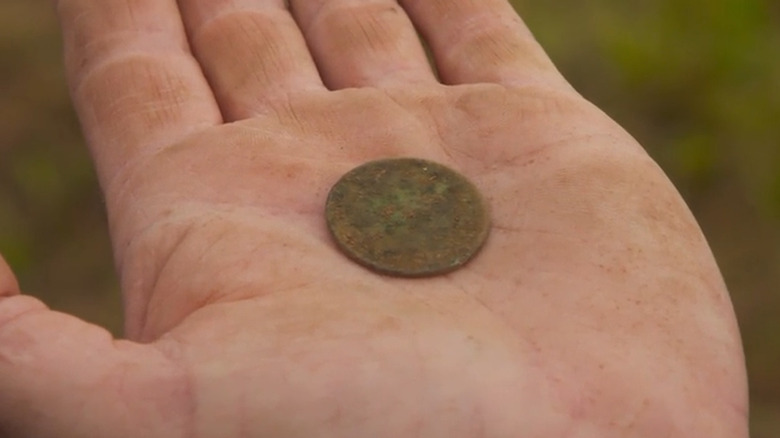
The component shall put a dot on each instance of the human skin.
(595, 309)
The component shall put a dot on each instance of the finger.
(61, 377)
(8, 283)
(251, 51)
(480, 41)
(134, 82)
(363, 43)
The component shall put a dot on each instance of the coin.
(407, 217)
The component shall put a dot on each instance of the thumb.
(8, 284)
(62, 377)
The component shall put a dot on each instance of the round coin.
(407, 217)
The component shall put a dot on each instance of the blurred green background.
(698, 83)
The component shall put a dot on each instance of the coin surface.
(407, 217)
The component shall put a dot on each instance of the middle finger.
(251, 51)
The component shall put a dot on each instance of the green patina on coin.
(407, 217)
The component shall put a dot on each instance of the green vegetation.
(696, 82)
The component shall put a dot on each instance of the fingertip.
(63, 377)
(8, 284)
(13, 307)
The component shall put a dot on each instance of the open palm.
(595, 308)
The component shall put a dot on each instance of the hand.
(594, 310)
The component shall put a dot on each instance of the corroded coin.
(407, 217)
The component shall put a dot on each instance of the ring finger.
(480, 41)
(363, 43)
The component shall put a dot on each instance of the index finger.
(134, 82)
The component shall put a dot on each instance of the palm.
(277, 332)
(255, 325)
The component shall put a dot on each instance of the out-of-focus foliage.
(696, 80)
(698, 83)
